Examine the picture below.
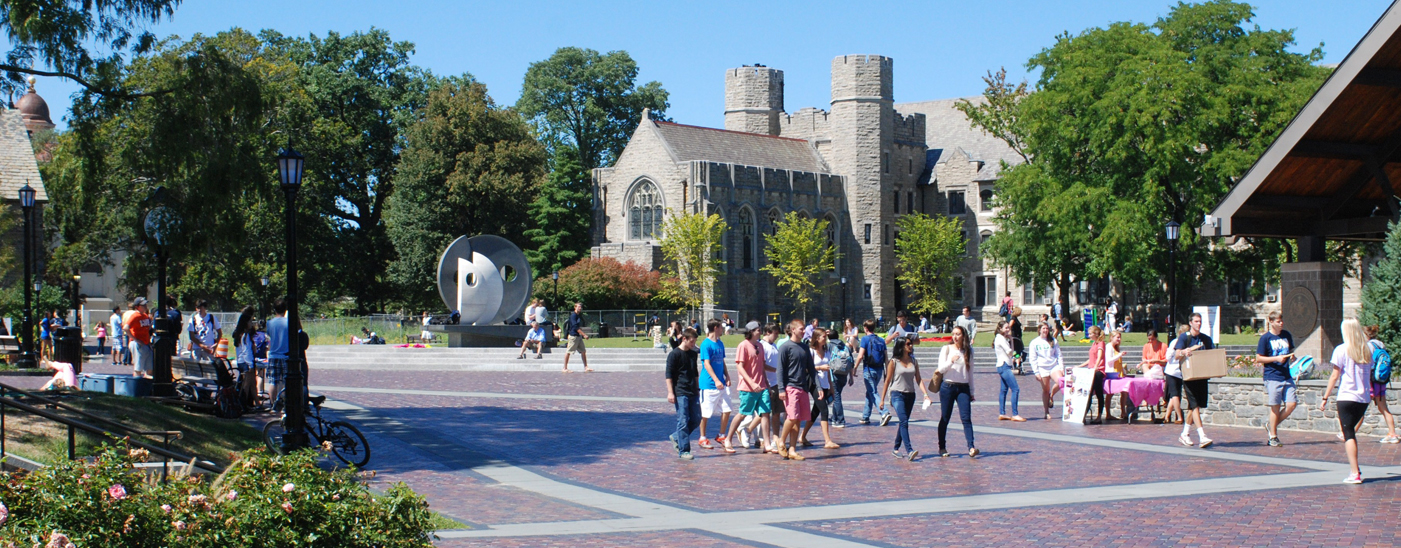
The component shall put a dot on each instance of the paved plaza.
(547, 459)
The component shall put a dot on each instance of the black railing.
(112, 429)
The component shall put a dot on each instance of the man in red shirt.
(138, 330)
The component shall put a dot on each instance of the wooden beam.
(1311, 203)
(1378, 77)
(1272, 227)
(1385, 182)
(1359, 180)
(1333, 150)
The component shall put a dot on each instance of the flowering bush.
(260, 501)
(604, 284)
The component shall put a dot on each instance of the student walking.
(1172, 384)
(871, 358)
(901, 378)
(956, 363)
(798, 376)
(1194, 393)
(1352, 376)
(841, 364)
(1047, 364)
(1379, 389)
(821, 362)
(772, 443)
(754, 403)
(714, 386)
(1273, 354)
(573, 331)
(681, 391)
(1002, 346)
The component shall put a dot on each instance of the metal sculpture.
(485, 278)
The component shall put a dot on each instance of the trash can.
(602, 330)
(68, 346)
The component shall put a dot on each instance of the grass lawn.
(205, 436)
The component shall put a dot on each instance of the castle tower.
(862, 132)
(753, 99)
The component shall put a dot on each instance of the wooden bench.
(9, 348)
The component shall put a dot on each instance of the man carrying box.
(1194, 392)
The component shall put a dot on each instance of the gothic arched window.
(645, 211)
(745, 223)
(831, 233)
(774, 219)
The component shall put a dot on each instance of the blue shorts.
(277, 370)
(754, 403)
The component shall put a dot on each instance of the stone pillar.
(1313, 306)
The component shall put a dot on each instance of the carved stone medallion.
(1300, 309)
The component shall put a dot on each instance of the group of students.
(787, 387)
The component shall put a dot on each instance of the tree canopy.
(81, 40)
(691, 244)
(1131, 125)
(562, 215)
(927, 253)
(589, 100)
(798, 255)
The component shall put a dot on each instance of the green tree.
(1149, 123)
(1381, 294)
(798, 255)
(53, 38)
(927, 254)
(360, 93)
(691, 244)
(562, 215)
(469, 167)
(589, 100)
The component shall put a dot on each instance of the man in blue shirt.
(714, 387)
(278, 348)
(1273, 354)
(535, 337)
(576, 337)
(1194, 392)
(871, 359)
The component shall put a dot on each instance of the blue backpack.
(1381, 364)
(875, 351)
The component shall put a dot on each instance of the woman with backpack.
(1352, 376)
(1002, 346)
(841, 364)
(1379, 381)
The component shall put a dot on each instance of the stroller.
(222, 395)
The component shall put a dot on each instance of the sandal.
(831, 445)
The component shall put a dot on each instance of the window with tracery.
(645, 212)
(832, 241)
(746, 235)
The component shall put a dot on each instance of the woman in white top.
(957, 367)
(1352, 376)
(850, 334)
(1002, 346)
(901, 379)
(1047, 364)
(1172, 384)
(821, 357)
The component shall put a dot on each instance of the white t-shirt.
(822, 375)
(1173, 368)
(1355, 382)
(205, 329)
(770, 360)
(542, 315)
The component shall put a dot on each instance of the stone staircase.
(381, 358)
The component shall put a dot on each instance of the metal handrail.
(8, 388)
(74, 425)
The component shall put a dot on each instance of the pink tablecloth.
(1142, 391)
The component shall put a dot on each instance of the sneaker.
(1391, 439)
(841, 425)
(973, 452)
(1206, 442)
(1353, 479)
(896, 453)
(913, 455)
(686, 456)
(1340, 436)
(1274, 442)
(674, 443)
(865, 421)
(743, 438)
(884, 419)
(1183, 439)
(705, 444)
(943, 453)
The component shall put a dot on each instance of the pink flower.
(288, 488)
(336, 496)
(232, 495)
(198, 500)
(165, 508)
(179, 525)
(287, 507)
(58, 540)
(116, 491)
(4, 513)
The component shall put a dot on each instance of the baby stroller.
(221, 395)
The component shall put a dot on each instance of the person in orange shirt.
(1154, 355)
(138, 330)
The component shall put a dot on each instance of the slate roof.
(735, 147)
(17, 163)
(945, 127)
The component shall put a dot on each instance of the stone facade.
(1242, 402)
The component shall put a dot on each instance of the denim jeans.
(904, 404)
(950, 393)
(1009, 382)
(872, 376)
(838, 382)
(687, 420)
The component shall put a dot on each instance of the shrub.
(260, 501)
(603, 284)
(1381, 291)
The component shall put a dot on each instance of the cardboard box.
(1205, 364)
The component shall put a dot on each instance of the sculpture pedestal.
(486, 336)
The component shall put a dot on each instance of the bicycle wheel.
(349, 445)
(272, 435)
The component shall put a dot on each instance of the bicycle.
(347, 443)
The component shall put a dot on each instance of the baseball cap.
(139, 301)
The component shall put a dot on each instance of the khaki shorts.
(576, 344)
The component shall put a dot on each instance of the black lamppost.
(556, 277)
(26, 355)
(289, 168)
(263, 298)
(843, 298)
(77, 318)
(160, 222)
(1172, 233)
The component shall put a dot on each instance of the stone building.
(860, 165)
(18, 167)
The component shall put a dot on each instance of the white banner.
(1076, 395)
(1211, 321)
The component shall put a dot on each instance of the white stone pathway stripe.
(520, 396)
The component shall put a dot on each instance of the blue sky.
(941, 49)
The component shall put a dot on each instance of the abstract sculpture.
(485, 278)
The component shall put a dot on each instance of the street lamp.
(26, 355)
(1172, 233)
(843, 297)
(289, 169)
(160, 223)
(77, 318)
(556, 278)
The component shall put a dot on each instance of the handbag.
(936, 381)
